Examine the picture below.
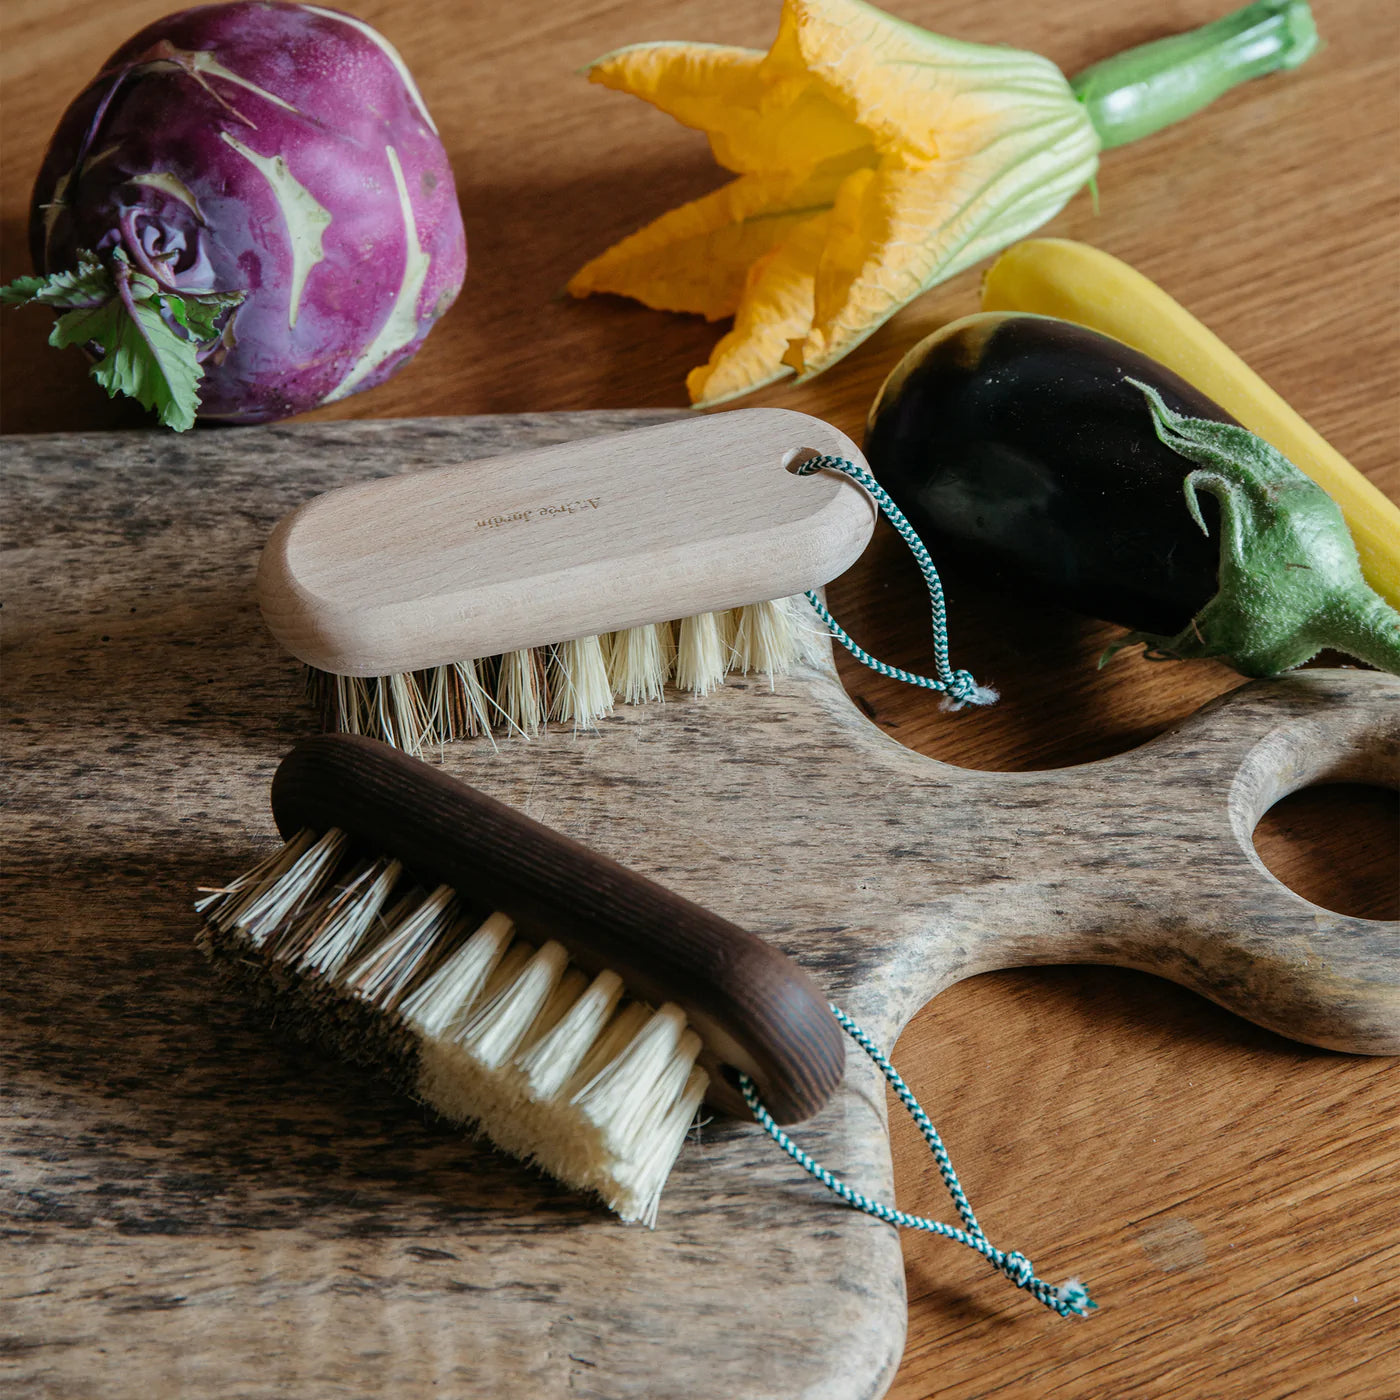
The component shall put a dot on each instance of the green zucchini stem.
(1290, 583)
(1141, 90)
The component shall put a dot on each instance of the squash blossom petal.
(874, 160)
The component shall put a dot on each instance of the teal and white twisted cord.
(959, 686)
(1069, 1298)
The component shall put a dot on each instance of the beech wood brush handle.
(753, 1006)
(483, 557)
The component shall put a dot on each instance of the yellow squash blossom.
(875, 159)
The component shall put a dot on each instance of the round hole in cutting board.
(1337, 845)
(1058, 708)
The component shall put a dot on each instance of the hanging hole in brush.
(794, 457)
(1335, 845)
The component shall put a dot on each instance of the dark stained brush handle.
(752, 1005)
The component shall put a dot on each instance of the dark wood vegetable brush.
(572, 1010)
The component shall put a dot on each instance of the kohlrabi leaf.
(96, 325)
(141, 356)
(199, 312)
(132, 328)
(87, 285)
(154, 365)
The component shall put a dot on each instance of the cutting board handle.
(1308, 972)
(1147, 860)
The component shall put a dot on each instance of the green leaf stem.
(1290, 582)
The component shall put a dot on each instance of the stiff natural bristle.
(639, 663)
(557, 1068)
(703, 652)
(580, 691)
(767, 638)
(459, 705)
(520, 690)
(573, 683)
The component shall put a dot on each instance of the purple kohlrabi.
(277, 151)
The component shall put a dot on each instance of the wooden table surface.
(1228, 1194)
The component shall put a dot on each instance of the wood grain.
(1083, 1106)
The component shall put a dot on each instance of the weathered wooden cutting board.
(203, 1207)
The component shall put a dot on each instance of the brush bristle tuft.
(560, 1069)
(768, 638)
(521, 691)
(704, 650)
(580, 690)
(639, 663)
(573, 682)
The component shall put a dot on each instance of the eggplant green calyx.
(147, 340)
(1140, 91)
(1290, 581)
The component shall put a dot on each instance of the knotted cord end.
(1072, 1297)
(965, 691)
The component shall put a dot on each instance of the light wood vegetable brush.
(571, 1010)
(545, 585)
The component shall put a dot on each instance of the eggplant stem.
(1289, 579)
(1366, 628)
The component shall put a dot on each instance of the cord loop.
(958, 687)
(1069, 1298)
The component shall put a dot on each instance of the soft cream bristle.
(611, 1098)
(702, 653)
(645, 1177)
(494, 1031)
(613, 1039)
(639, 663)
(553, 1058)
(561, 1070)
(574, 682)
(630, 1101)
(767, 638)
(580, 692)
(458, 982)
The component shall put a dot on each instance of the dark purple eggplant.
(1063, 464)
(1015, 442)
